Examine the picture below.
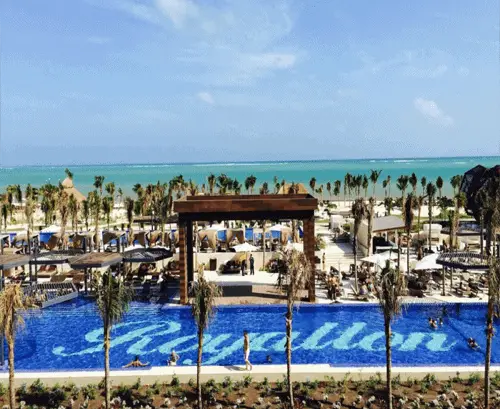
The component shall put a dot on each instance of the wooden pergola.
(245, 208)
(8, 261)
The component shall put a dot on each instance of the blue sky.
(95, 81)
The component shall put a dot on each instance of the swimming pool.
(69, 336)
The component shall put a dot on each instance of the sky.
(155, 81)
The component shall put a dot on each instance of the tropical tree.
(347, 184)
(204, 295)
(250, 183)
(488, 199)
(336, 188)
(439, 185)
(402, 185)
(30, 204)
(413, 182)
(359, 213)
(295, 279)
(319, 191)
(99, 183)
(389, 291)
(224, 183)
(364, 183)
(12, 304)
(384, 185)
(460, 201)
(431, 195)
(112, 299)
(86, 213)
(408, 217)
(69, 174)
(95, 205)
(329, 190)
(110, 190)
(48, 202)
(423, 182)
(312, 184)
(264, 190)
(455, 182)
(388, 204)
(419, 202)
(129, 208)
(237, 187)
(106, 208)
(5, 213)
(73, 208)
(374, 175)
(63, 208)
(211, 179)
(389, 184)
(370, 214)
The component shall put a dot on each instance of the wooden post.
(189, 252)
(182, 263)
(309, 246)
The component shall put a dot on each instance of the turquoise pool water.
(69, 336)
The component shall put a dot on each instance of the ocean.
(125, 176)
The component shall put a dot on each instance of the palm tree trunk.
(388, 358)
(418, 222)
(198, 367)
(263, 244)
(12, 390)
(487, 359)
(430, 224)
(289, 350)
(107, 391)
(408, 253)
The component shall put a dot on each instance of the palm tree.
(211, 183)
(389, 204)
(86, 213)
(110, 189)
(359, 212)
(112, 299)
(413, 182)
(203, 304)
(276, 184)
(364, 183)
(297, 277)
(431, 194)
(408, 219)
(192, 188)
(389, 183)
(439, 185)
(336, 188)
(488, 199)
(98, 183)
(423, 182)
(29, 210)
(319, 191)
(48, 203)
(73, 207)
(250, 183)
(329, 190)
(370, 213)
(129, 207)
(460, 201)
(12, 304)
(374, 175)
(95, 205)
(312, 184)
(69, 174)
(63, 208)
(347, 184)
(264, 190)
(455, 182)
(106, 208)
(384, 185)
(5, 213)
(420, 203)
(402, 184)
(389, 291)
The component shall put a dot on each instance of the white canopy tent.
(245, 247)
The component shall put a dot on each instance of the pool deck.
(218, 373)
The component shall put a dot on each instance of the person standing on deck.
(252, 265)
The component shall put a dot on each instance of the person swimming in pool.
(269, 360)
(441, 322)
(432, 323)
(472, 343)
(136, 363)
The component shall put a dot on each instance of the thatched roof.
(70, 189)
(286, 189)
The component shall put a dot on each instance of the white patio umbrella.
(245, 247)
(134, 247)
(428, 263)
(296, 246)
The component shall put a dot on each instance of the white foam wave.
(149, 166)
(239, 164)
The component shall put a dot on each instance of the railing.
(47, 294)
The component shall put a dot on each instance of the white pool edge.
(259, 372)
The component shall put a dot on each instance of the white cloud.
(272, 60)
(178, 11)
(98, 40)
(206, 97)
(429, 109)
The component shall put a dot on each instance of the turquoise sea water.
(125, 176)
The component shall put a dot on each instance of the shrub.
(137, 384)
(474, 378)
(3, 390)
(124, 393)
(175, 381)
(89, 392)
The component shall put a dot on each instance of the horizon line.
(243, 162)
